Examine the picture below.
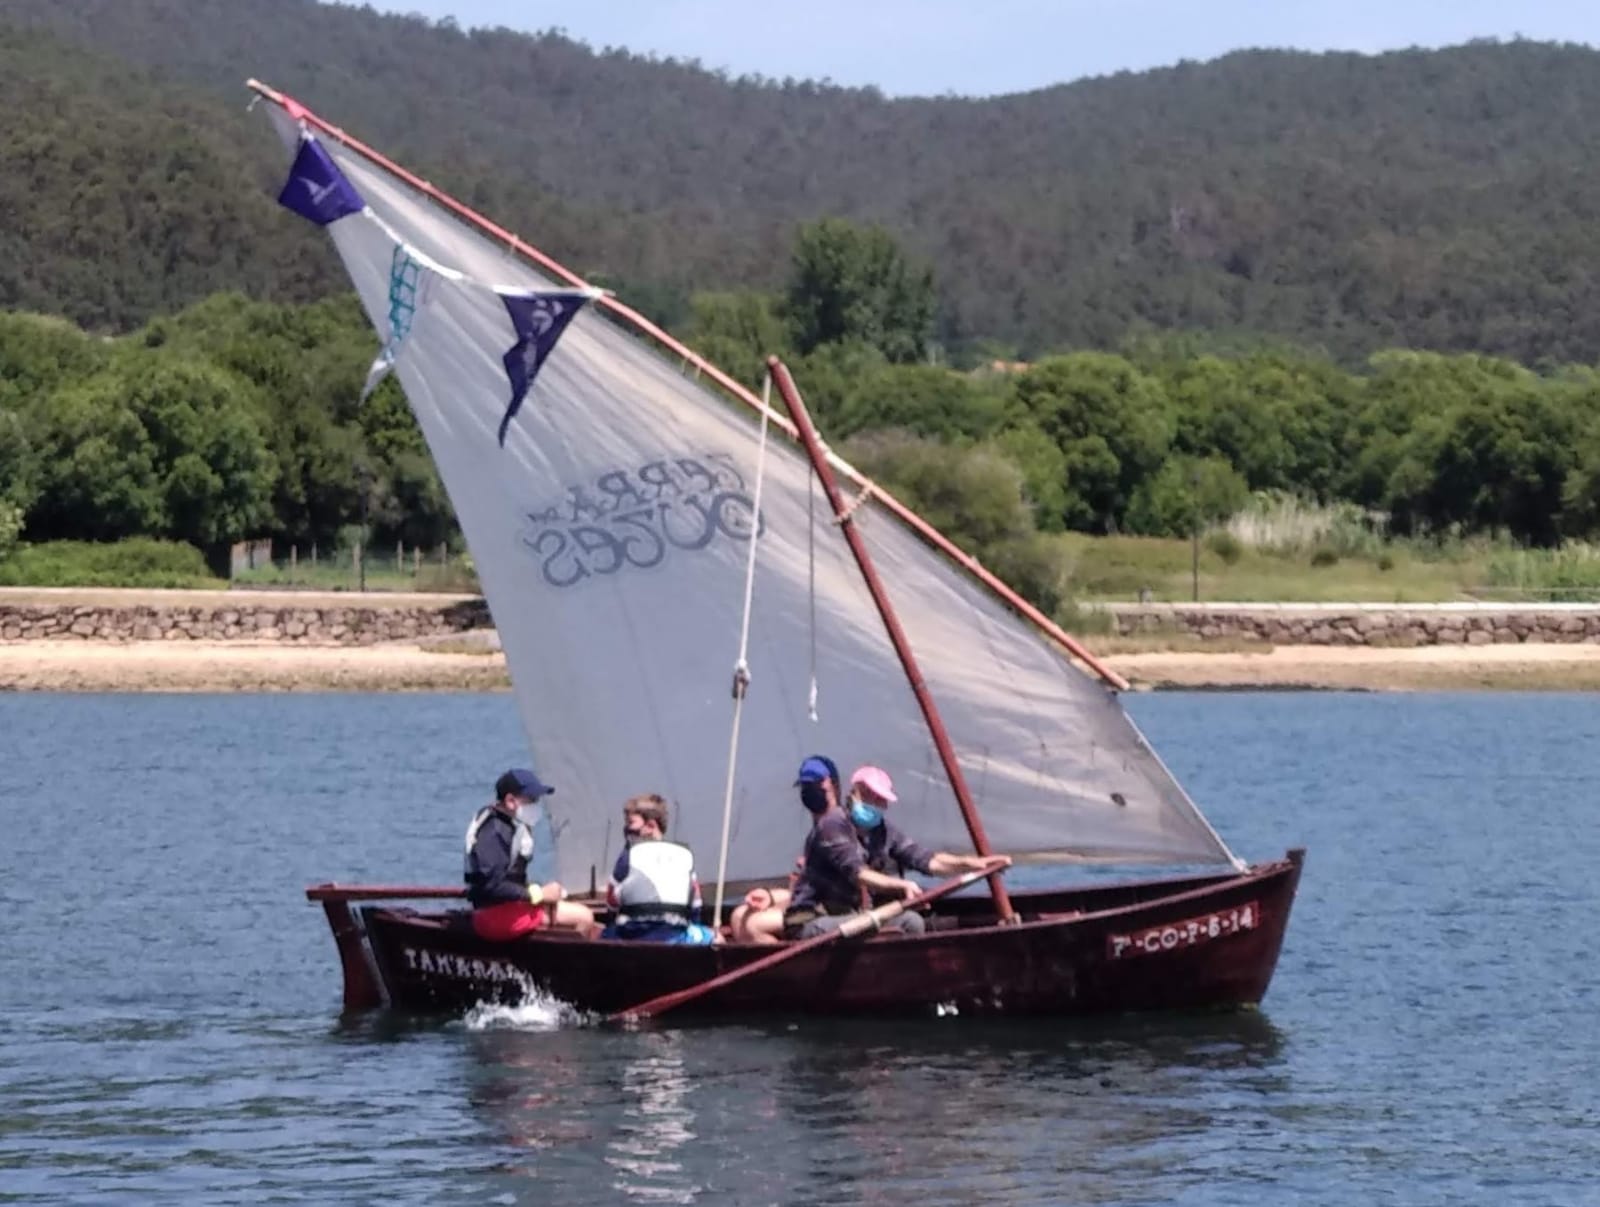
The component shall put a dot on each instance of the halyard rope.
(741, 668)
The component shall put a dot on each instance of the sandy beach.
(1531, 667)
(466, 665)
(230, 666)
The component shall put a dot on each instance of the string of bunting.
(319, 191)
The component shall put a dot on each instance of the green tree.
(1185, 494)
(98, 479)
(158, 443)
(38, 353)
(19, 462)
(973, 495)
(849, 282)
(737, 332)
(1401, 390)
(10, 528)
(827, 377)
(1499, 461)
(1278, 418)
(308, 363)
(211, 453)
(924, 399)
(1111, 422)
(1044, 476)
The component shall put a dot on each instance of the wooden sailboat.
(606, 493)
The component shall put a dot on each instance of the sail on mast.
(608, 511)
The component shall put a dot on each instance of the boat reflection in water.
(656, 1123)
(872, 1111)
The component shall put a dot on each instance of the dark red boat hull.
(1197, 942)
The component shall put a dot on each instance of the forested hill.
(1440, 200)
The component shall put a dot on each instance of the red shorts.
(509, 920)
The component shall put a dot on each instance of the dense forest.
(1440, 200)
(239, 418)
(1123, 305)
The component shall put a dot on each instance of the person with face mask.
(886, 849)
(499, 844)
(834, 879)
(653, 888)
(759, 917)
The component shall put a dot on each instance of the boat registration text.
(460, 968)
(1191, 932)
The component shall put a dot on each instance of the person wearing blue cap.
(499, 844)
(759, 917)
(834, 878)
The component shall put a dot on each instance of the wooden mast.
(891, 622)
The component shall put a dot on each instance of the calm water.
(170, 1029)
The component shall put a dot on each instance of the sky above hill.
(930, 47)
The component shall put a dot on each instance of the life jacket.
(521, 846)
(659, 883)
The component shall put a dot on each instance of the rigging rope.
(741, 668)
(811, 579)
(867, 489)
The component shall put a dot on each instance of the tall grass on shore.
(1279, 548)
(1283, 524)
(1570, 574)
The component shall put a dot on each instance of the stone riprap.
(353, 619)
(220, 616)
(1387, 625)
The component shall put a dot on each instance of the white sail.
(610, 534)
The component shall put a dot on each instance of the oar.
(868, 920)
(379, 892)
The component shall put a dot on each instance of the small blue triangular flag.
(317, 190)
(539, 319)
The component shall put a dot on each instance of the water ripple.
(174, 1034)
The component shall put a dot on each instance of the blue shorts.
(690, 934)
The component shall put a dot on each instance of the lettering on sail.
(636, 518)
(460, 968)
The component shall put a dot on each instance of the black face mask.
(814, 796)
(632, 836)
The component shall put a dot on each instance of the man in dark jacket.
(834, 877)
(499, 845)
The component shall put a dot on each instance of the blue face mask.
(868, 817)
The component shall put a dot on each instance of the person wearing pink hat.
(886, 850)
(834, 881)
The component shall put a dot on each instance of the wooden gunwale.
(1049, 966)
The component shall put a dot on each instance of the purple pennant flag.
(317, 189)
(539, 319)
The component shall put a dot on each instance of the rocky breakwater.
(232, 616)
(1384, 625)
